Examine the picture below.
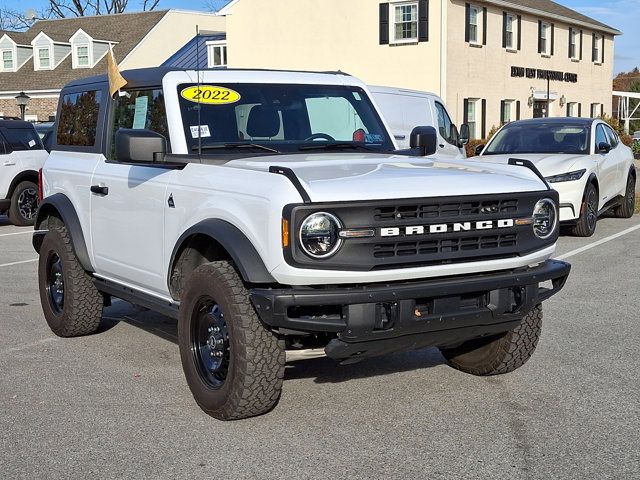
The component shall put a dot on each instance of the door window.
(613, 136)
(601, 136)
(444, 123)
(79, 118)
(21, 138)
(140, 109)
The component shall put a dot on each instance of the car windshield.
(540, 138)
(282, 118)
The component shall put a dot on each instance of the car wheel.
(588, 220)
(628, 206)
(497, 355)
(24, 204)
(233, 364)
(70, 301)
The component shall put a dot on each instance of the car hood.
(548, 163)
(345, 177)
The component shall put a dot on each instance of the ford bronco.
(267, 210)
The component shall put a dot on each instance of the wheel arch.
(211, 240)
(59, 206)
(25, 175)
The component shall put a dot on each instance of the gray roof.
(127, 29)
(554, 9)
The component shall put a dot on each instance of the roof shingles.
(127, 30)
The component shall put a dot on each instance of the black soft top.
(15, 124)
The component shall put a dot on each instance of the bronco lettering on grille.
(446, 228)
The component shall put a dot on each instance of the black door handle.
(97, 189)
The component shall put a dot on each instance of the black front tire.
(501, 354)
(70, 301)
(249, 382)
(24, 204)
(627, 209)
(588, 220)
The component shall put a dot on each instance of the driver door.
(607, 167)
(128, 202)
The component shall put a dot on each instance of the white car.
(21, 157)
(271, 209)
(583, 159)
(405, 109)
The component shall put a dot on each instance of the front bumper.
(382, 318)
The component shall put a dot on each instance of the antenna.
(198, 82)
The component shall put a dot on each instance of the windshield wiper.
(222, 146)
(338, 146)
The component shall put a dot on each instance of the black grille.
(432, 211)
(464, 240)
(445, 245)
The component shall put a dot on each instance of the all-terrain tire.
(628, 206)
(81, 310)
(586, 225)
(498, 355)
(256, 357)
(24, 204)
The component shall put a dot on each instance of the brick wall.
(42, 107)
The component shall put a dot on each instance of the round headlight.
(319, 235)
(545, 218)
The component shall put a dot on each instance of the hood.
(548, 163)
(347, 177)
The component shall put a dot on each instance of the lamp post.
(22, 99)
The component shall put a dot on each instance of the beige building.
(52, 53)
(492, 61)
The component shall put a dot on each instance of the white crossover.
(583, 159)
(270, 210)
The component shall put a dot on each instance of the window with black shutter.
(404, 22)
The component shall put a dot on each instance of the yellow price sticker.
(210, 94)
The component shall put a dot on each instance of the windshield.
(540, 138)
(284, 118)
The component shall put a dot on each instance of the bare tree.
(16, 20)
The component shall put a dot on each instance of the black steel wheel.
(588, 220)
(233, 363)
(210, 343)
(24, 204)
(55, 283)
(70, 301)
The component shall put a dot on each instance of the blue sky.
(621, 14)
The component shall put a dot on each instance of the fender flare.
(29, 175)
(60, 205)
(238, 246)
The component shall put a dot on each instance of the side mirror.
(464, 134)
(140, 146)
(425, 139)
(479, 149)
(604, 147)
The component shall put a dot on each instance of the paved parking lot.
(116, 404)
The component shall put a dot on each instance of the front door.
(607, 168)
(128, 202)
(540, 109)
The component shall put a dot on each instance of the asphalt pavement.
(116, 404)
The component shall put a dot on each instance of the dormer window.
(43, 58)
(216, 54)
(82, 56)
(7, 60)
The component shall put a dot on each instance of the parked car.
(405, 109)
(45, 131)
(250, 208)
(636, 137)
(583, 159)
(21, 156)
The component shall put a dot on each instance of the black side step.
(290, 174)
(137, 298)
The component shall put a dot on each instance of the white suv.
(21, 157)
(250, 207)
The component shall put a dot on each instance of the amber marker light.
(285, 233)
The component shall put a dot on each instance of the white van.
(405, 109)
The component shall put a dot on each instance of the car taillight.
(359, 136)
(40, 193)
